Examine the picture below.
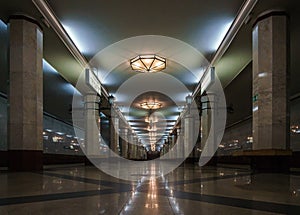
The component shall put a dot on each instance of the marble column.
(173, 143)
(137, 155)
(169, 145)
(208, 128)
(130, 145)
(164, 148)
(180, 142)
(124, 142)
(270, 75)
(140, 156)
(189, 134)
(25, 123)
(135, 147)
(205, 126)
(114, 133)
(92, 125)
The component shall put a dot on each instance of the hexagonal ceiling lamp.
(148, 63)
(151, 105)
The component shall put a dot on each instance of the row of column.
(270, 97)
(126, 144)
(270, 109)
(270, 90)
(122, 141)
(180, 140)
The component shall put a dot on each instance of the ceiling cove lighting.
(148, 63)
(152, 105)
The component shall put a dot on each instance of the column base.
(56, 159)
(87, 162)
(191, 160)
(3, 158)
(25, 160)
(268, 160)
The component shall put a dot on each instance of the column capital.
(25, 17)
(268, 14)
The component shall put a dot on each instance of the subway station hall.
(149, 107)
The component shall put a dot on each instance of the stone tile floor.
(187, 190)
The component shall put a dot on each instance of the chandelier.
(148, 63)
(151, 119)
(152, 128)
(150, 105)
(153, 147)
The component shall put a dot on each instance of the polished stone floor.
(189, 189)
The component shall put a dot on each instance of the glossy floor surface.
(187, 190)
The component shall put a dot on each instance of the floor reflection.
(187, 190)
(152, 194)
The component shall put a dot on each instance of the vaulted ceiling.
(110, 33)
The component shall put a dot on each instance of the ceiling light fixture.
(151, 119)
(148, 63)
(152, 128)
(150, 105)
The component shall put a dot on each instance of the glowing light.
(262, 74)
(151, 105)
(151, 119)
(48, 68)
(77, 39)
(295, 129)
(249, 139)
(153, 148)
(133, 123)
(148, 63)
(255, 108)
(221, 35)
(67, 86)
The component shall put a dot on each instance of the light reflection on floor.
(186, 190)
